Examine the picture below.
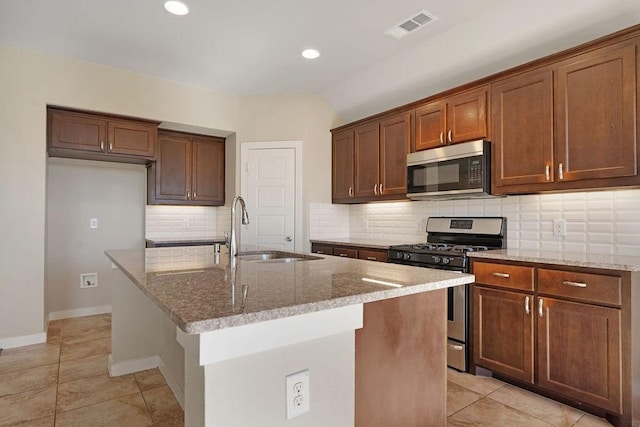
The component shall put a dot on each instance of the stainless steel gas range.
(449, 240)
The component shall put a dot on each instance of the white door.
(270, 198)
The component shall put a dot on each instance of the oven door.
(456, 313)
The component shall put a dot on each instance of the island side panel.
(401, 362)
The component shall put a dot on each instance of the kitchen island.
(225, 336)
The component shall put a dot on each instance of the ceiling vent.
(410, 25)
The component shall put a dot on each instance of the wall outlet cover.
(297, 393)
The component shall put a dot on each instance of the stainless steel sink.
(275, 256)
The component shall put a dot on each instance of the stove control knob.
(436, 259)
(399, 255)
(407, 256)
(446, 260)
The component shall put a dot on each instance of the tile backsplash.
(184, 222)
(603, 222)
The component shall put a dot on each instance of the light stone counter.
(199, 291)
(607, 262)
(370, 243)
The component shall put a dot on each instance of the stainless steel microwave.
(454, 171)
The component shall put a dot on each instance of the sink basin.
(275, 256)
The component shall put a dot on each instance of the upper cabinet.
(370, 160)
(591, 100)
(189, 170)
(91, 136)
(458, 118)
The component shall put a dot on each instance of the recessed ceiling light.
(310, 53)
(176, 7)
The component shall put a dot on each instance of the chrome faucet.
(233, 244)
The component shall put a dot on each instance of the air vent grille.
(410, 25)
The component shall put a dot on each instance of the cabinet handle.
(372, 258)
(343, 255)
(188, 194)
(320, 252)
(526, 305)
(503, 275)
(449, 136)
(110, 146)
(350, 191)
(442, 138)
(547, 172)
(455, 347)
(101, 145)
(540, 307)
(381, 189)
(574, 284)
(560, 171)
(194, 195)
(375, 189)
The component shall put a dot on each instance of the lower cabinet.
(568, 337)
(348, 251)
(503, 328)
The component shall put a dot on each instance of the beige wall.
(78, 190)
(294, 117)
(30, 80)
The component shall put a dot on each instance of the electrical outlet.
(559, 227)
(89, 280)
(297, 393)
(93, 223)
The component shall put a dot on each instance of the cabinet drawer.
(507, 276)
(582, 286)
(372, 255)
(345, 252)
(321, 249)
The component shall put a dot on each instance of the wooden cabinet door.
(395, 135)
(367, 160)
(173, 168)
(342, 167)
(522, 109)
(76, 131)
(430, 125)
(579, 352)
(503, 332)
(207, 178)
(596, 114)
(467, 116)
(131, 138)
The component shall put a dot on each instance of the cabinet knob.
(350, 191)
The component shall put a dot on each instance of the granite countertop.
(183, 241)
(369, 243)
(201, 292)
(607, 262)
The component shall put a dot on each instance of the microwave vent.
(410, 24)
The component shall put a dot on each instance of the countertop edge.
(559, 261)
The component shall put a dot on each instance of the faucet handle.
(226, 239)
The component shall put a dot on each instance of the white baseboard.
(79, 312)
(138, 365)
(172, 381)
(23, 340)
(131, 366)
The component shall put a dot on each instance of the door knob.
(288, 238)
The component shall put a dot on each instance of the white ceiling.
(253, 46)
